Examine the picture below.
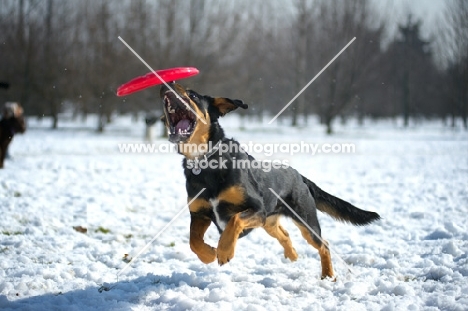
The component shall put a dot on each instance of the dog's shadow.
(120, 295)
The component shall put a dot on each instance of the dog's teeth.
(182, 132)
(169, 107)
(186, 105)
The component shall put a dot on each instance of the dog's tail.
(338, 208)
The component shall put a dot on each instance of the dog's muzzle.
(181, 120)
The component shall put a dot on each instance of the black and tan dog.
(238, 200)
(11, 122)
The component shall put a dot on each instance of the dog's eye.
(192, 95)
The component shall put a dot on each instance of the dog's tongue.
(183, 126)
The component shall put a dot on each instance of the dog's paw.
(291, 254)
(208, 256)
(331, 278)
(225, 256)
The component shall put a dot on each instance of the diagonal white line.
(157, 76)
(313, 79)
(311, 230)
(159, 233)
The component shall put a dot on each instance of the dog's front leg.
(238, 223)
(198, 226)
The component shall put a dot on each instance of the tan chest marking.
(234, 195)
(198, 205)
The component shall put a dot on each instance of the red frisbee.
(150, 79)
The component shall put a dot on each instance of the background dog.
(12, 122)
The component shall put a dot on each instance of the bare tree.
(348, 76)
(263, 52)
(303, 31)
(102, 59)
(49, 89)
(454, 52)
(18, 34)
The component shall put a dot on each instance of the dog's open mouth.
(180, 118)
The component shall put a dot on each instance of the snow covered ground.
(415, 258)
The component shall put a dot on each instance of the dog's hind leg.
(273, 228)
(304, 206)
(324, 252)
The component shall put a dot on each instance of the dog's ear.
(225, 105)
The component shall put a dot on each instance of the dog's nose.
(164, 89)
(173, 87)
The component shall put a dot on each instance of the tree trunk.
(328, 123)
(101, 119)
(54, 121)
(101, 122)
(54, 114)
(294, 116)
(301, 60)
(406, 98)
(329, 129)
(50, 91)
(464, 107)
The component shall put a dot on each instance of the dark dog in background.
(237, 199)
(12, 122)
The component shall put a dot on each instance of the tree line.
(66, 56)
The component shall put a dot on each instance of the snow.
(415, 258)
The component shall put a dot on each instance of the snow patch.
(414, 259)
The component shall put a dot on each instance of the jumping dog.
(238, 200)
